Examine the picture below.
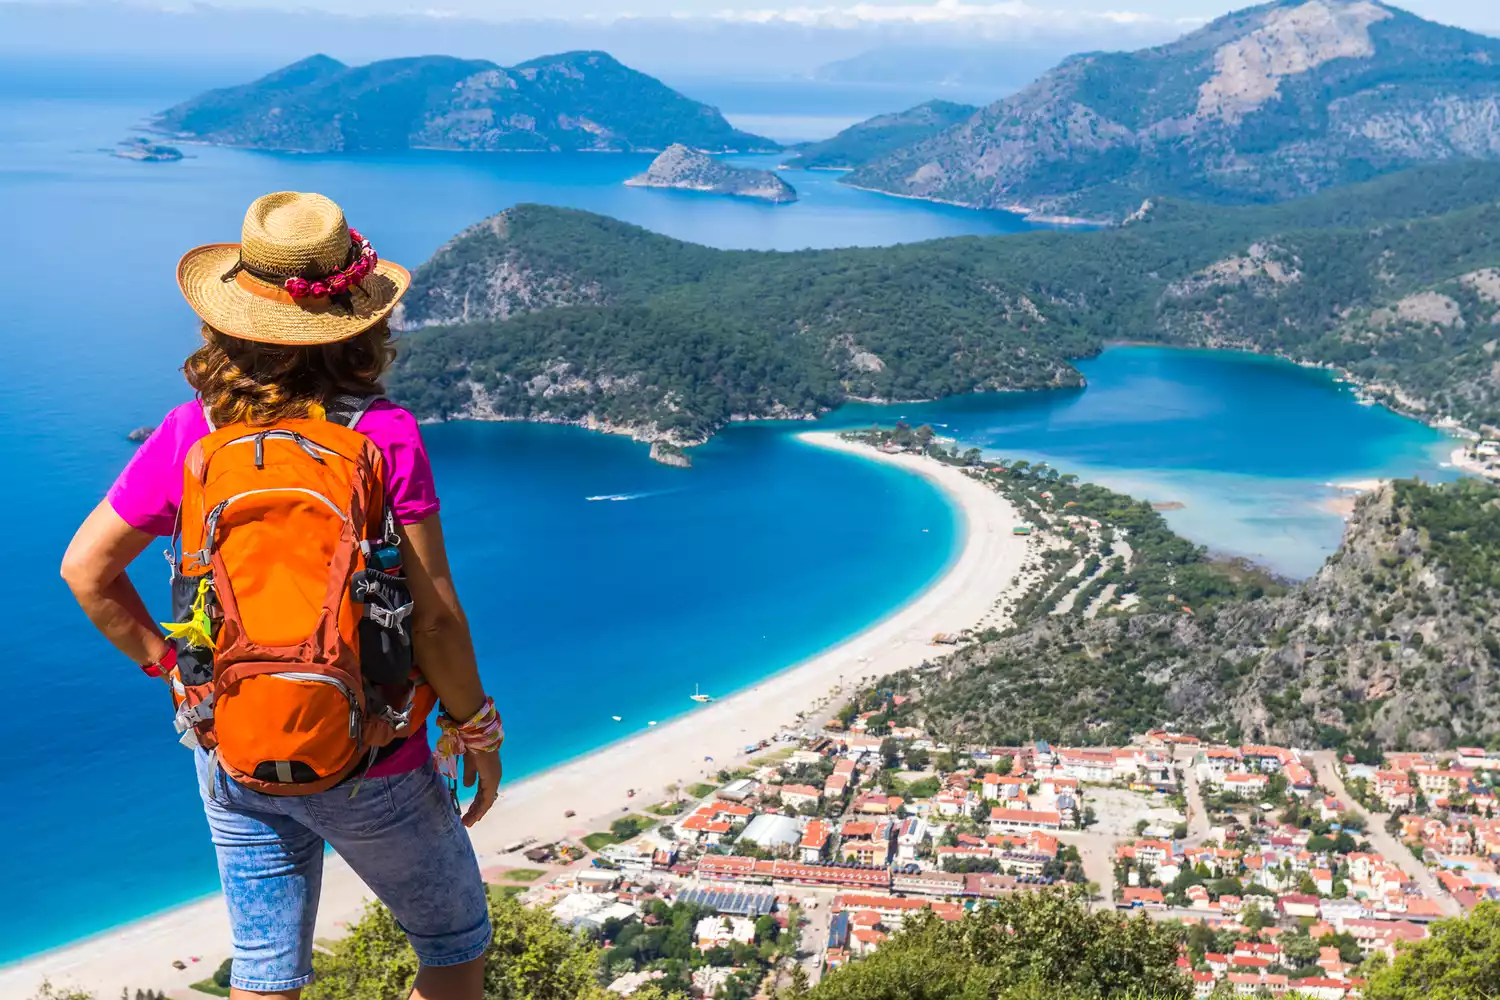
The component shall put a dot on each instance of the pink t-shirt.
(149, 490)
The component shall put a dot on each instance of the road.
(814, 940)
(1387, 846)
(1197, 812)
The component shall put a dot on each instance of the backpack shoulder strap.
(348, 409)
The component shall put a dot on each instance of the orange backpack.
(278, 525)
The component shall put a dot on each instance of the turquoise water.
(1251, 446)
(766, 552)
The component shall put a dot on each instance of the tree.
(1042, 940)
(49, 992)
(532, 957)
(1256, 917)
(223, 972)
(798, 988)
(1459, 961)
(625, 827)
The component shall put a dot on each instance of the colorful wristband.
(482, 733)
(163, 666)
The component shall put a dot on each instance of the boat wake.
(617, 497)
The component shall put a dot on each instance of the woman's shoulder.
(184, 422)
(386, 421)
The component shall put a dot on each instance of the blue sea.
(764, 553)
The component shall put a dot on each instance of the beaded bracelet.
(483, 733)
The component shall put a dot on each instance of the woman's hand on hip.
(483, 765)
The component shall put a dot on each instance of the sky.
(1005, 15)
(1007, 42)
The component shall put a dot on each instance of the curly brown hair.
(242, 381)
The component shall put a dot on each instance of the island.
(573, 101)
(146, 151)
(690, 170)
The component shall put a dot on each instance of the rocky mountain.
(879, 136)
(689, 170)
(551, 314)
(1269, 103)
(1391, 644)
(572, 101)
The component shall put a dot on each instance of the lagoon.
(763, 554)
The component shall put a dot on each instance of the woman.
(293, 316)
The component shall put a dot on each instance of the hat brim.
(230, 309)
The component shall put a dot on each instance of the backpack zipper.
(294, 675)
(315, 450)
(213, 515)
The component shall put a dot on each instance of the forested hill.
(571, 101)
(553, 314)
(1276, 101)
(880, 136)
(1392, 644)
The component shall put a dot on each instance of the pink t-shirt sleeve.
(149, 490)
(408, 470)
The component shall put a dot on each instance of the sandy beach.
(139, 955)
(1348, 494)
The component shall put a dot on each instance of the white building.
(721, 932)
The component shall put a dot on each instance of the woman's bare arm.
(444, 649)
(94, 568)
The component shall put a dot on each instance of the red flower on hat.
(340, 281)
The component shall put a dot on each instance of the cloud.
(1005, 17)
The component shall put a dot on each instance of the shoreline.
(984, 569)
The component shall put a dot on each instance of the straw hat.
(242, 288)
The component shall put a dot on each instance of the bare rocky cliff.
(1272, 102)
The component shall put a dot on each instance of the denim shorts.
(400, 834)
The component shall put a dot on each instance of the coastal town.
(1290, 868)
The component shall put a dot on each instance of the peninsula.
(558, 315)
(690, 170)
(572, 101)
(880, 136)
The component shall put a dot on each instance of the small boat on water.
(699, 696)
(651, 723)
(615, 717)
